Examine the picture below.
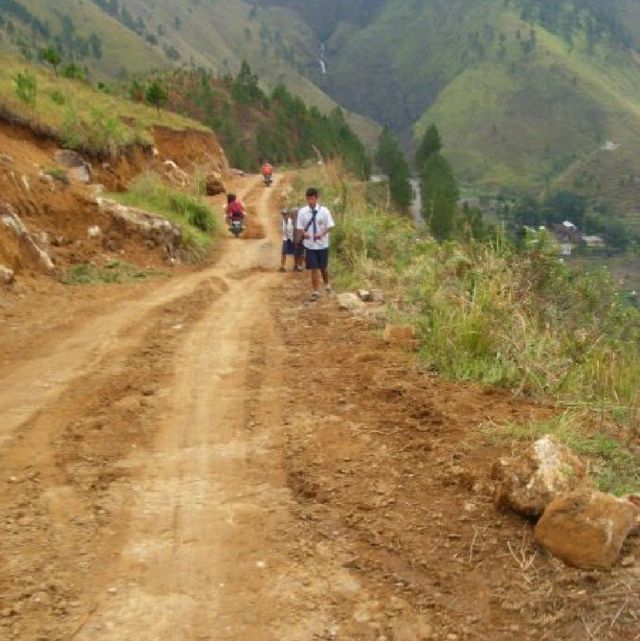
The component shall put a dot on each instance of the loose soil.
(206, 456)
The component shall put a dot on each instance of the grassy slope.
(520, 120)
(104, 119)
(123, 49)
(525, 120)
(211, 34)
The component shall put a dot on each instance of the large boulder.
(79, 168)
(213, 184)
(174, 174)
(587, 528)
(528, 482)
(149, 225)
(10, 219)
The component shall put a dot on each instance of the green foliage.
(196, 218)
(155, 95)
(440, 194)
(391, 160)
(73, 72)
(253, 127)
(51, 56)
(58, 173)
(113, 272)
(430, 143)
(490, 312)
(245, 89)
(26, 87)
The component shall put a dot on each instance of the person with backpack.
(315, 223)
(288, 236)
(291, 239)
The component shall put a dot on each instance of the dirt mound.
(61, 214)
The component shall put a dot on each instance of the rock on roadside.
(528, 482)
(6, 275)
(213, 184)
(349, 302)
(587, 528)
(79, 168)
(147, 224)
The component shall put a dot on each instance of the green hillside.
(120, 37)
(254, 126)
(523, 120)
(525, 92)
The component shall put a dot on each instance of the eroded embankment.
(50, 218)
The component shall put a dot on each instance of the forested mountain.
(529, 94)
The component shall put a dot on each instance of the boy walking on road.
(315, 223)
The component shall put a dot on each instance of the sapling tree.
(51, 56)
(156, 96)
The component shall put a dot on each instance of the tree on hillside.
(431, 143)
(439, 195)
(391, 160)
(155, 95)
(51, 56)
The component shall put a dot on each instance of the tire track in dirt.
(61, 467)
(95, 398)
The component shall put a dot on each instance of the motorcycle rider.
(267, 172)
(234, 210)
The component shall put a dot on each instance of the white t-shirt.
(323, 223)
(287, 229)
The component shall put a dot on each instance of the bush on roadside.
(198, 222)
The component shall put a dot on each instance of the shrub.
(26, 87)
(148, 192)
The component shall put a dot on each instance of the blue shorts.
(317, 258)
(288, 248)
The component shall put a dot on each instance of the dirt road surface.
(210, 458)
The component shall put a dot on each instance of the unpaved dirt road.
(210, 458)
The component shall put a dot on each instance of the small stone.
(112, 591)
(376, 296)
(94, 232)
(364, 295)
(348, 301)
(628, 561)
(7, 275)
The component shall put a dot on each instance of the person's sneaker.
(314, 296)
(297, 268)
(328, 289)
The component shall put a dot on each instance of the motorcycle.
(267, 179)
(236, 227)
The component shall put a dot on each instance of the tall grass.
(488, 312)
(199, 224)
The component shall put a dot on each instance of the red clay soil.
(58, 213)
(208, 457)
(392, 475)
